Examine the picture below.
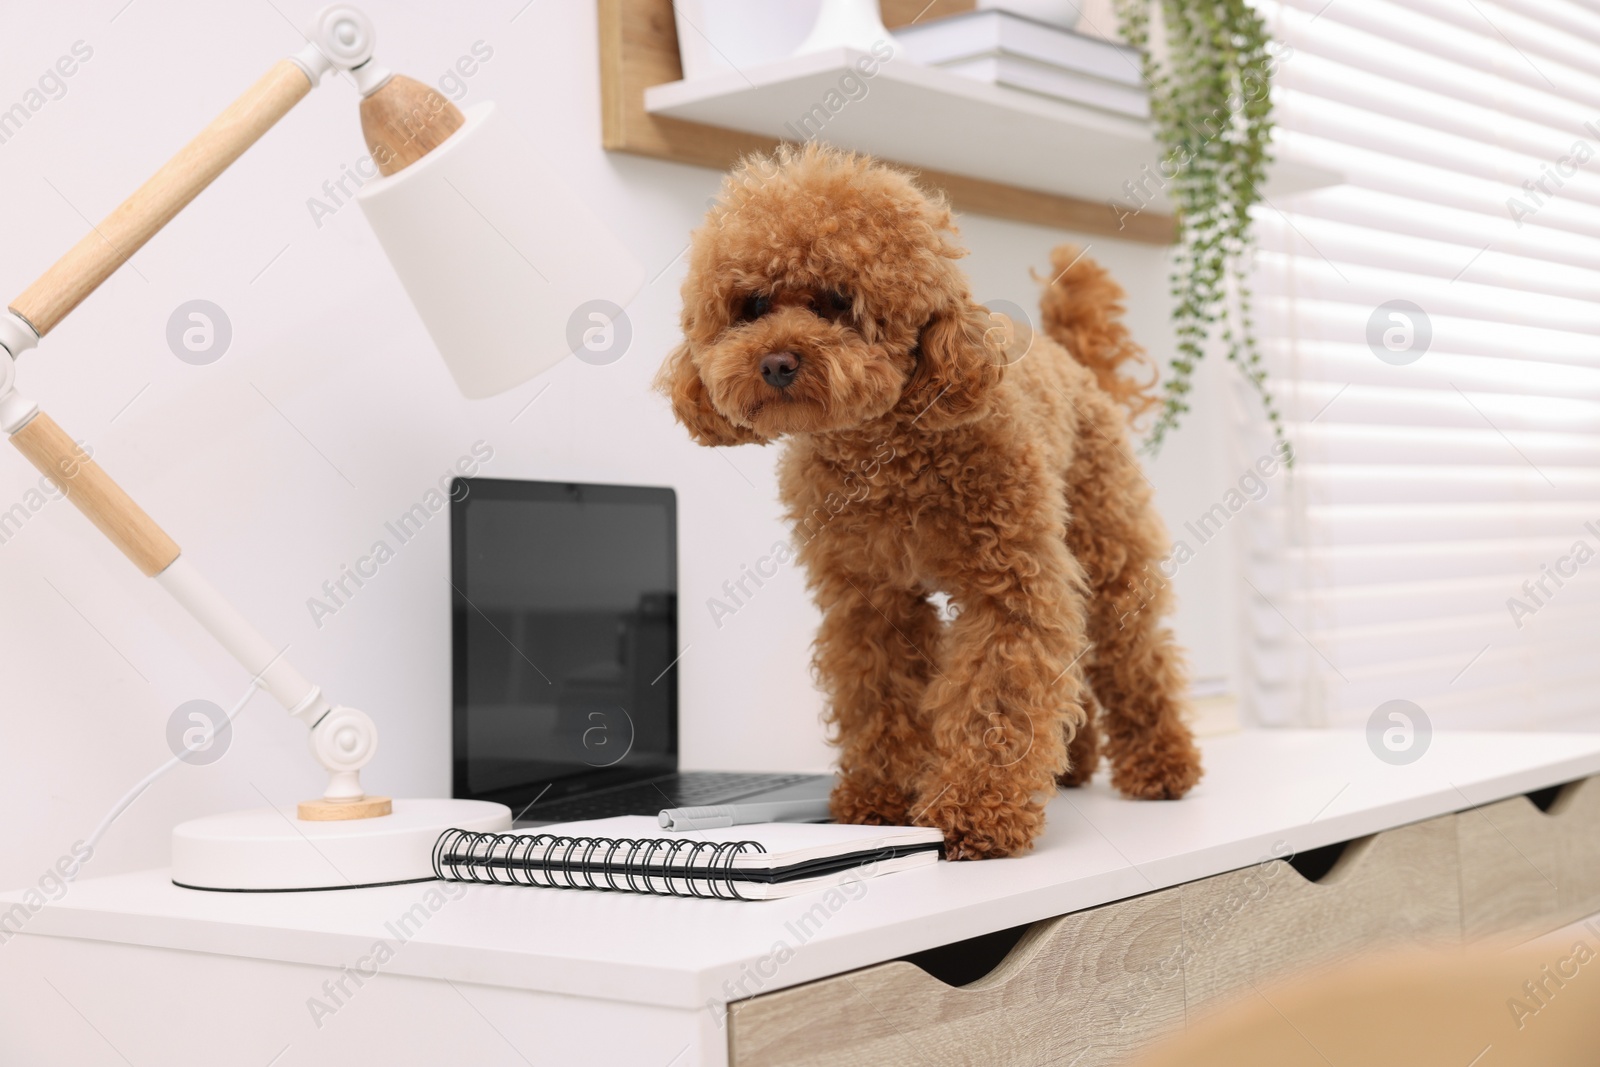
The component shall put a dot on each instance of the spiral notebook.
(631, 853)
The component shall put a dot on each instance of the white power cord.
(150, 779)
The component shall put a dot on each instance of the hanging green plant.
(1211, 104)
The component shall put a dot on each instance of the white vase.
(719, 36)
(853, 24)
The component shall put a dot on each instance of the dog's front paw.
(868, 804)
(1162, 767)
(1083, 752)
(1078, 774)
(982, 825)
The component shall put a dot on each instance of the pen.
(710, 818)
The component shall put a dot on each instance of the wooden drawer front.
(1090, 987)
(1509, 862)
(1250, 926)
(1527, 871)
(1082, 989)
(1577, 815)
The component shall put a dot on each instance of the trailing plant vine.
(1211, 104)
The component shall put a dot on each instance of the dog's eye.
(753, 307)
(834, 304)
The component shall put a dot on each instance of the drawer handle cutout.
(1545, 799)
(1314, 863)
(964, 962)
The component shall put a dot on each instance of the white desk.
(132, 969)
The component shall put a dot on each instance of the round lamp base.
(269, 850)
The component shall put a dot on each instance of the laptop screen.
(565, 635)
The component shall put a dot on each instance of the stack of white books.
(1037, 57)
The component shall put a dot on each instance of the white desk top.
(1302, 789)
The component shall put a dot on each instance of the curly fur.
(932, 446)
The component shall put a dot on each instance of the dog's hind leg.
(1136, 670)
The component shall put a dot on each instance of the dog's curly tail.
(1082, 309)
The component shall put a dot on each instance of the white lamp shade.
(509, 270)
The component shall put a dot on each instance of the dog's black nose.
(779, 368)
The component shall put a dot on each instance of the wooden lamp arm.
(123, 232)
(59, 458)
(92, 491)
(403, 120)
(342, 739)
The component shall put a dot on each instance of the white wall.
(331, 413)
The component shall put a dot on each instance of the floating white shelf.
(933, 118)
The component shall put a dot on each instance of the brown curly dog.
(935, 447)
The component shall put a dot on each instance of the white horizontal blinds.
(1427, 494)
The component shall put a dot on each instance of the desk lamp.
(500, 261)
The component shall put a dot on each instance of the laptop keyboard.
(690, 789)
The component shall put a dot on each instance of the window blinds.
(1439, 539)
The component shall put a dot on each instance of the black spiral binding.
(576, 862)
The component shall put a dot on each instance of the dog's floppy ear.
(957, 366)
(679, 379)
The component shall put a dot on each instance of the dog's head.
(823, 294)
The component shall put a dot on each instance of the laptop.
(564, 636)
